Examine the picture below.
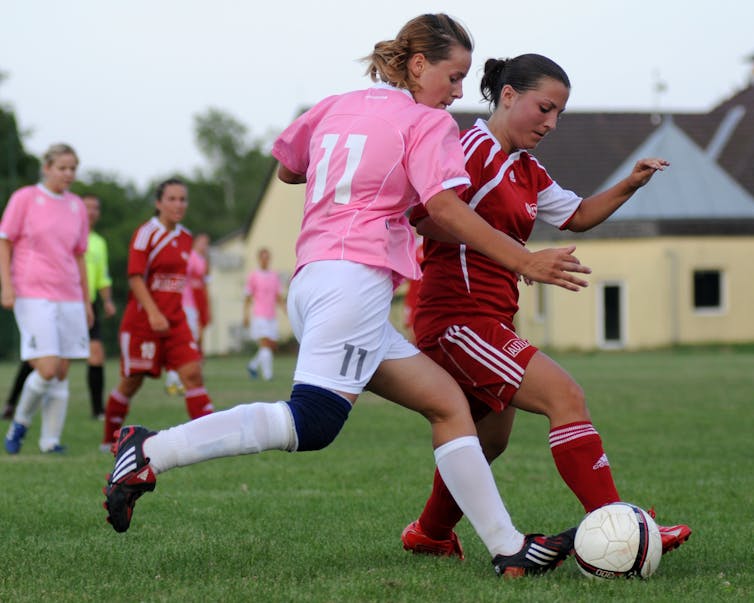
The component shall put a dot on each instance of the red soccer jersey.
(161, 257)
(509, 192)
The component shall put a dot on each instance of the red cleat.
(672, 536)
(415, 540)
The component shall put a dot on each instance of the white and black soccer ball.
(619, 540)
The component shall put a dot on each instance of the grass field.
(325, 526)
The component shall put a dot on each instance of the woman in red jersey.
(464, 318)
(154, 332)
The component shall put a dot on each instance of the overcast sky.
(121, 81)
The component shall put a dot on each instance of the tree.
(221, 138)
(17, 169)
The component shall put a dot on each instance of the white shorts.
(51, 328)
(264, 328)
(339, 313)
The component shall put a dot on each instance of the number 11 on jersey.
(354, 145)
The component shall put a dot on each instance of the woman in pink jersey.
(367, 157)
(263, 294)
(43, 237)
(154, 332)
(464, 319)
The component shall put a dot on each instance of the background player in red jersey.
(154, 332)
(464, 317)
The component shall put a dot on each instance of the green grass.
(325, 526)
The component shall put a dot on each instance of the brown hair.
(522, 73)
(55, 151)
(432, 35)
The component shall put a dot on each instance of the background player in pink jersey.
(464, 319)
(154, 332)
(195, 302)
(43, 237)
(99, 286)
(367, 157)
(263, 294)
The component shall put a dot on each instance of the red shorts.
(146, 354)
(486, 358)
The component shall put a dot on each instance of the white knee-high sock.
(244, 429)
(34, 390)
(265, 363)
(466, 473)
(54, 410)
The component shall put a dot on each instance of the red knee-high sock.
(582, 463)
(441, 513)
(115, 413)
(198, 402)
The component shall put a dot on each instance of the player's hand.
(644, 170)
(158, 323)
(556, 266)
(89, 314)
(109, 308)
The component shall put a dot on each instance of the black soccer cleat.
(131, 477)
(539, 554)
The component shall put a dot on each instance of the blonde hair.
(432, 35)
(55, 151)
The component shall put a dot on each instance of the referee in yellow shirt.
(100, 285)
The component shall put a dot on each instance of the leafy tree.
(221, 138)
(240, 170)
(17, 169)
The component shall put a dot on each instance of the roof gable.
(694, 186)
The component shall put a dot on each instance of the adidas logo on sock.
(601, 462)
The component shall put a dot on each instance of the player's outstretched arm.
(552, 266)
(597, 208)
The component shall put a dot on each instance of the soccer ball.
(619, 540)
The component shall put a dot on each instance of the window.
(708, 290)
(611, 327)
(611, 315)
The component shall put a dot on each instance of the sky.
(122, 81)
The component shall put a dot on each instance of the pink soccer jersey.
(350, 146)
(47, 232)
(196, 272)
(264, 287)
